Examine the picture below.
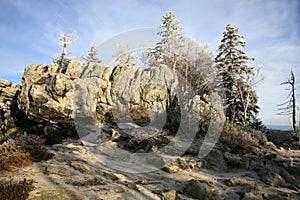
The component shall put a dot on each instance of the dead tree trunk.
(293, 101)
(289, 107)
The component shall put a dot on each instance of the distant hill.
(280, 127)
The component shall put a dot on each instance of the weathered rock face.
(8, 90)
(99, 94)
(47, 98)
(124, 90)
(8, 105)
(156, 97)
(47, 95)
(12, 119)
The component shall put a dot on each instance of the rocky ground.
(75, 173)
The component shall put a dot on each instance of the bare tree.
(289, 107)
(123, 55)
(196, 65)
(62, 61)
(145, 56)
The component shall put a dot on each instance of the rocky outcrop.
(47, 99)
(128, 89)
(47, 95)
(97, 94)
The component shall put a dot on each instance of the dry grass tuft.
(15, 189)
(34, 145)
(12, 156)
(140, 115)
(241, 140)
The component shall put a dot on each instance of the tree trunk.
(294, 110)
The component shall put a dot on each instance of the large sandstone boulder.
(47, 94)
(47, 98)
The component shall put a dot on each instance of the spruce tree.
(168, 50)
(185, 55)
(92, 55)
(237, 78)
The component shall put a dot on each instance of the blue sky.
(30, 32)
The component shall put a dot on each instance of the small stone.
(181, 164)
(171, 168)
(271, 178)
(119, 190)
(82, 167)
(88, 182)
(133, 186)
(170, 195)
(199, 190)
(239, 181)
(252, 195)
